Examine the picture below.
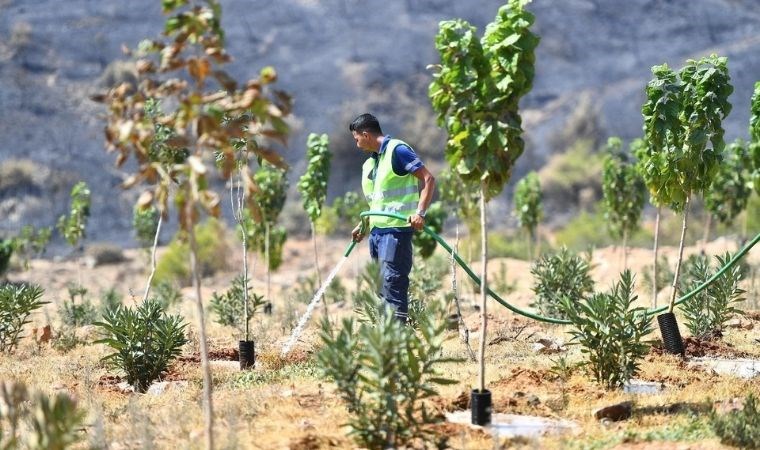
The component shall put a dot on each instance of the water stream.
(314, 301)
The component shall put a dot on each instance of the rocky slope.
(338, 58)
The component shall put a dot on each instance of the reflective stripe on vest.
(386, 191)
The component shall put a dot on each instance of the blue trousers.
(393, 251)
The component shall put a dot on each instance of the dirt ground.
(285, 403)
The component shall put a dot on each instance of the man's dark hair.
(366, 122)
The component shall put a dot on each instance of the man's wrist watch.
(421, 213)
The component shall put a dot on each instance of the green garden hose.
(740, 254)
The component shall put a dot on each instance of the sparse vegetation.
(229, 307)
(313, 186)
(29, 242)
(17, 303)
(52, 422)
(77, 313)
(385, 372)
(342, 215)
(110, 300)
(306, 287)
(664, 274)
(558, 276)
(174, 267)
(166, 294)
(528, 209)
(624, 194)
(567, 175)
(610, 331)
(708, 311)
(739, 428)
(145, 222)
(144, 341)
(73, 226)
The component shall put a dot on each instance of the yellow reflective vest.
(386, 191)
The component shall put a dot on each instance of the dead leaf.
(196, 165)
(145, 199)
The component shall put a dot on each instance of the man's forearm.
(426, 194)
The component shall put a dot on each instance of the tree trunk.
(625, 249)
(206, 369)
(708, 224)
(483, 288)
(316, 267)
(654, 266)
(153, 258)
(266, 256)
(237, 212)
(680, 256)
(460, 318)
(531, 238)
(245, 279)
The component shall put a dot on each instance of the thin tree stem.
(680, 256)
(483, 289)
(207, 388)
(241, 220)
(625, 249)
(654, 266)
(465, 330)
(266, 255)
(530, 244)
(153, 258)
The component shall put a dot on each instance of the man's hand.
(417, 221)
(358, 233)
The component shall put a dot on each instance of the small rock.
(125, 388)
(547, 346)
(740, 324)
(158, 388)
(533, 400)
(619, 411)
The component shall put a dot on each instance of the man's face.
(363, 140)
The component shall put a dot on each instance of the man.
(393, 180)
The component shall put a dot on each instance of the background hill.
(339, 58)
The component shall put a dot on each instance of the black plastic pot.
(671, 337)
(246, 354)
(480, 403)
